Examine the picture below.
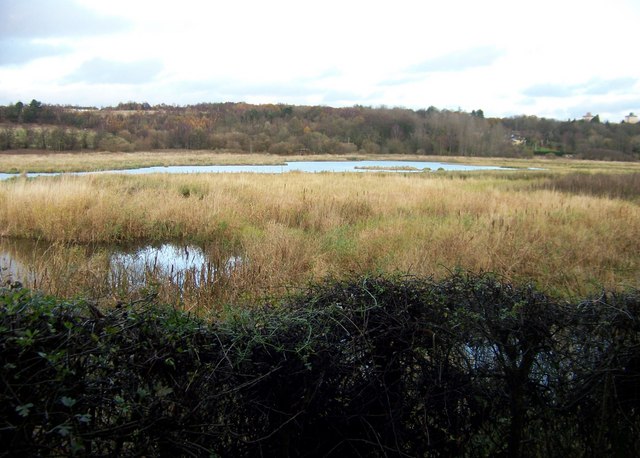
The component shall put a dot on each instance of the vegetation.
(615, 186)
(285, 129)
(359, 363)
(371, 366)
(42, 161)
(294, 227)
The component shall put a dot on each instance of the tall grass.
(618, 185)
(47, 161)
(293, 227)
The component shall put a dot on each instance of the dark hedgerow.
(467, 366)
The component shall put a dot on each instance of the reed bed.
(294, 227)
(19, 161)
(612, 185)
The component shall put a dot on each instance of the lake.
(297, 166)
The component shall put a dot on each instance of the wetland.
(200, 240)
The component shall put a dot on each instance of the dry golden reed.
(292, 227)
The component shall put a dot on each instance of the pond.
(57, 266)
(297, 166)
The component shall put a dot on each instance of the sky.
(549, 58)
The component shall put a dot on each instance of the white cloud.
(546, 58)
(53, 18)
(101, 71)
(19, 51)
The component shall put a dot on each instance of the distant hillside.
(287, 129)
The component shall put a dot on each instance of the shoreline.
(26, 161)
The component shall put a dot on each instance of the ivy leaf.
(84, 418)
(162, 390)
(24, 409)
(142, 392)
(64, 429)
(67, 402)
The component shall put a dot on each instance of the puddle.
(52, 266)
(170, 261)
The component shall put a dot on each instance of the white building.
(631, 119)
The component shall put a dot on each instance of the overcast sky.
(549, 58)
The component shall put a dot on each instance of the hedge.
(370, 366)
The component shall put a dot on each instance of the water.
(39, 264)
(314, 167)
(171, 261)
(298, 166)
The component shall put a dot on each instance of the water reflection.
(70, 269)
(168, 261)
(12, 269)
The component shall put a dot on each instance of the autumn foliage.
(286, 129)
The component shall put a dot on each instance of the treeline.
(466, 366)
(287, 129)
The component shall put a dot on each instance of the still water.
(40, 265)
(298, 166)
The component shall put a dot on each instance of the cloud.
(458, 61)
(101, 71)
(593, 87)
(18, 51)
(312, 89)
(608, 107)
(549, 90)
(346, 98)
(611, 86)
(610, 98)
(464, 59)
(32, 29)
(53, 18)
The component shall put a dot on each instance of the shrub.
(403, 366)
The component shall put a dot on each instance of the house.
(631, 119)
(517, 139)
(588, 117)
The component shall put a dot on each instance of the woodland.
(286, 129)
